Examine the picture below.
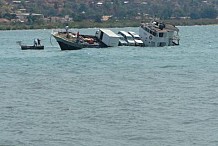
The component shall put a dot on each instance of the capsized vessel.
(159, 34)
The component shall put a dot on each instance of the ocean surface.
(121, 96)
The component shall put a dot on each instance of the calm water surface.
(124, 96)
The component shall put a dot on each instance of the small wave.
(169, 66)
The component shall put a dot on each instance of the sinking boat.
(159, 34)
(74, 41)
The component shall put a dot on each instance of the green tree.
(30, 19)
(195, 14)
(166, 13)
(209, 12)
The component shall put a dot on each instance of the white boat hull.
(155, 37)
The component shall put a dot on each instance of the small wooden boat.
(25, 47)
(30, 47)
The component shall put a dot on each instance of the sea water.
(121, 96)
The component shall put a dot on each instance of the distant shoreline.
(107, 24)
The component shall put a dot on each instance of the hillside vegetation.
(118, 10)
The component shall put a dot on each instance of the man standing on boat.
(35, 42)
(38, 40)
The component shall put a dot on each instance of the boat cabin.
(157, 34)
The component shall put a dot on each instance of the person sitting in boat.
(35, 42)
(39, 42)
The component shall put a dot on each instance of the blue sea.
(121, 96)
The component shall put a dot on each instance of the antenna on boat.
(52, 31)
